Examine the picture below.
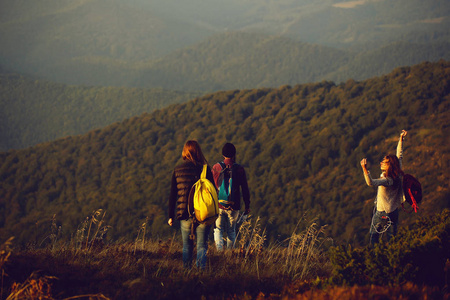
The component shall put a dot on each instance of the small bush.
(417, 254)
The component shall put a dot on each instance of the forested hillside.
(300, 145)
(52, 32)
(242, 60)
(248, 60)
(380, 61)
(35, 111)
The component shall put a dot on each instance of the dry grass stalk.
(140, 238)
(32, 288)
(83, 239)
(251, 238)
(5, 253)
(95, 220)
(39, 288)
(55, 232)
(302, 247)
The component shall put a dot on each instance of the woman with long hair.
(183, 178)
(389, 193)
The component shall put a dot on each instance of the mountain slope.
(245, 60)
(326, 22)
(35, 111)
(38, 37)
(242, 60)
(382, 60)
(300, 145)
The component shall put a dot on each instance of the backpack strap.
(411, 186)
(414, 203)
(233, 166)
(190, 205)
(193, 225)
(194, 220)
(203, 175)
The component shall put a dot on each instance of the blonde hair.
(193, 153)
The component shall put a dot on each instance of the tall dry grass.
(300, 257)
(95, 223)
(54, 234)
(5, 253)
(148, 268)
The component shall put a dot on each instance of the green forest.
(301, 146)
(34, 111)
(248, 60)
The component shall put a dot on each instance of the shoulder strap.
(203, 175)
(192, 191)
(222, 164)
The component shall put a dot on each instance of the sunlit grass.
(153, 266)
(295, 268)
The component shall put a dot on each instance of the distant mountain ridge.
(35, 111)
(245, 60)
(301, 146)
(179, 45)
(54, 31)
(242, 60)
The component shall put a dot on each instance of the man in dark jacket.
(229, 213)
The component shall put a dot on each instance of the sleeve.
(400, 160)
(384, 181)
(400, 152)
(216, 173)
(173, 196)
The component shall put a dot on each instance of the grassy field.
(86, 268)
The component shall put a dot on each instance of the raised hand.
(364, 164)
(403, 134)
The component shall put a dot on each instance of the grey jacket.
(390, 191)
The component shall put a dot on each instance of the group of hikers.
(386, 211)
(184, 177)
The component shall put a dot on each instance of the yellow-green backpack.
(203, 203)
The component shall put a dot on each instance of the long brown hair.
(392, 166)
(193, 153)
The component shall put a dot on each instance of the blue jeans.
(383, 222)
(226, 221)
(201, 232)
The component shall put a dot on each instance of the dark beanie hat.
(228, 150)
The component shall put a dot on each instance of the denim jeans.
(201, 232)
(226, 222)
(383, 222)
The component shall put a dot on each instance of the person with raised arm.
(389, 193)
